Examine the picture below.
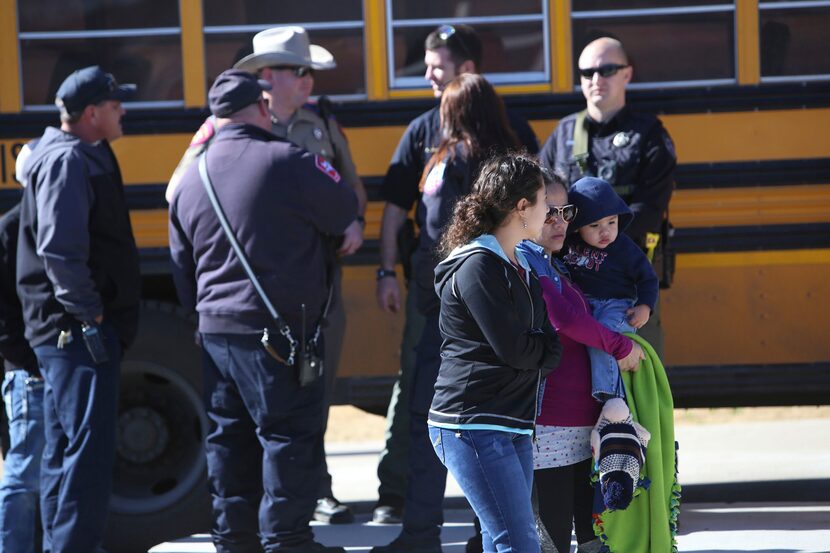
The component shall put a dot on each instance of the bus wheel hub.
(142, 435)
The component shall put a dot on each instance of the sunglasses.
(566, 212)
(447, 31)
(298, 70)
(605, 71)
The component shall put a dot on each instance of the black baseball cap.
(90, 85)
(233, 90)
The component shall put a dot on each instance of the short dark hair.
(462, 41)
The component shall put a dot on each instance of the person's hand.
(638, 315)
(352, 238)
(389, 294)
(631, 362)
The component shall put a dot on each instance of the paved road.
(705, 527)
(762, 487)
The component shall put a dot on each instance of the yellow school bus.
(743, 88)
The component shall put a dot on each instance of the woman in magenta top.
(562, 456)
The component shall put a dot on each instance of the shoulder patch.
(204, 134)
(325, 167)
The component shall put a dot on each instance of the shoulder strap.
(324, 109)
(240, 254)
(579, 151)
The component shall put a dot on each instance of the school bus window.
(668, 47)
(514, 38)
(138, 41)
(583, 5)
(270, 14)
(407, 9)
(153, 63)
(223, 50)
(516, 51)
(336, 25)
(794, 40)
(80, 15)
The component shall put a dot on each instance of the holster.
(407, 244)
(664, 258)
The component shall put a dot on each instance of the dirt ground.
(349, 424)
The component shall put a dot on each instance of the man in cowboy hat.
(284, 57)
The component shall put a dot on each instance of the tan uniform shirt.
(305, 129)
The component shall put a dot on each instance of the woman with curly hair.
(498, 345)
(473, 126)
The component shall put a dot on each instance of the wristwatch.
(383, 273)
(361, 221)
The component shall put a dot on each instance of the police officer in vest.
(263, 390)
(284, 57)
(630, 150)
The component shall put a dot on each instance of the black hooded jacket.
(76, 255)
(498, 342)
(14, 348)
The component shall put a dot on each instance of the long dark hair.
(502, 182)
(473, 117)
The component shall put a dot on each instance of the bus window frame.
(791, 6)
(217, 30)
(674, 10)
(518, 82)
(143, 32)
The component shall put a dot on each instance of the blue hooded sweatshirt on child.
(621, 270)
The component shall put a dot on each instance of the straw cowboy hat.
(285, 46)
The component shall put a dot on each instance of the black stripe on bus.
(752, 238)
(690, 176)
(750, 385)
(732, 98)
(700, 240)
(691, 386)
(688, 240)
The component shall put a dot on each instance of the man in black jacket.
(265, 441)
(79, 284)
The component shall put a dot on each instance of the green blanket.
(649, 524)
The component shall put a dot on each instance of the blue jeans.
(20, 487)
(605, 372)
(80, 409)
(264, 446)
(495, 471)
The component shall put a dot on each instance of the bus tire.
(159, 480)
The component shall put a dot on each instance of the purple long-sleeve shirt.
(567, 400)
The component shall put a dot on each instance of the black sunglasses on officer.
(606, 70)
(299, 71)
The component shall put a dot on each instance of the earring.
(524, 223)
